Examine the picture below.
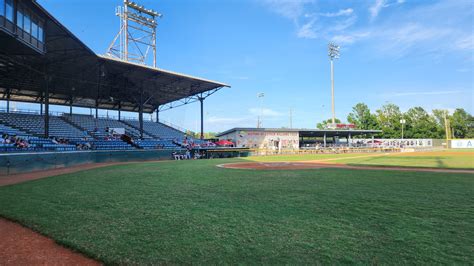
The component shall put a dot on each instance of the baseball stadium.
(81, 188)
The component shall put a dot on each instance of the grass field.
(438, 159)
(193, 212)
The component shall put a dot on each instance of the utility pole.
(402, 121)
(333, 52)
(259, 119)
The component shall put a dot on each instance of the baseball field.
(193, 212)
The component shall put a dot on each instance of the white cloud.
(342, 12)
(342, 25)
(350, 38)
(378, 5)
(308, 30)
(466, 43)
(375, 8)
(291, 9)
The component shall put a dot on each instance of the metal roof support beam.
(70, 105)
(140, 113)
(158, 114)
(41, 104)
(46, 105)
(8, 100)
(119, 110)
(187, 100)
(201, 100)
(324, 139)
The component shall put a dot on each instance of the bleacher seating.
(157, 130)
(35, 143)
(97, 126)
(34, 124)
(156, 144)
(84, 129)
(107, 145)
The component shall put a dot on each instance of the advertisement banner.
(462, 143)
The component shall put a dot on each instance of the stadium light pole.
(333, 52)
(260, 98)
(402, 121)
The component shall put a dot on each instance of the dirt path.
(320, 165)
(22, 246)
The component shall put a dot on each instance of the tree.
(419, 124)
(462, 124)
(362, 118)
(388, 118)
(438, 116)
(323, 124)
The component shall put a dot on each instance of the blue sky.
(411, 53)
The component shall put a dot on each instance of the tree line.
(418, 122)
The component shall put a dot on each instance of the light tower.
(333, 52)
(136, 39)
(260, 116)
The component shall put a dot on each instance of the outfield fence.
(267, 152)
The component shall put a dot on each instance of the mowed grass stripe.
(194, 212)
(437, 159)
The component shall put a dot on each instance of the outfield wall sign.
(462, 143)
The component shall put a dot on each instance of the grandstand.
(157, 130)
(44, 63)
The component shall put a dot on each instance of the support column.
(119, 111)
(373, 139)
(324, 138)
(8, 101)
(158, 114)
(349, 139)
(41, 104)
(97, 109)
(201, 100)
(70, 107)
(46, 107)
(140, 114)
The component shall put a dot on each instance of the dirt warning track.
(320, 165)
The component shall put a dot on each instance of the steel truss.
(191, 99)
(137, 34)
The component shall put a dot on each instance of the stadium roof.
(307, 132)
(77, 76)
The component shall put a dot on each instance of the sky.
(410, 53)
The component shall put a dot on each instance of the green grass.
(438, 159)
(184, 212)
(301, 157)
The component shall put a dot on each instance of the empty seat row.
(97, 127)
(34, 124)
(157, 130)
(156, 144)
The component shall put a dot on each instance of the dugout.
(285, 138)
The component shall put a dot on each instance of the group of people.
(188, 155)
(17, 141)
(60, 141)
(83, 146)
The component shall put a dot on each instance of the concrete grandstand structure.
(42, 62)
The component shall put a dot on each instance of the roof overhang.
(307, 132)
(76, 75)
